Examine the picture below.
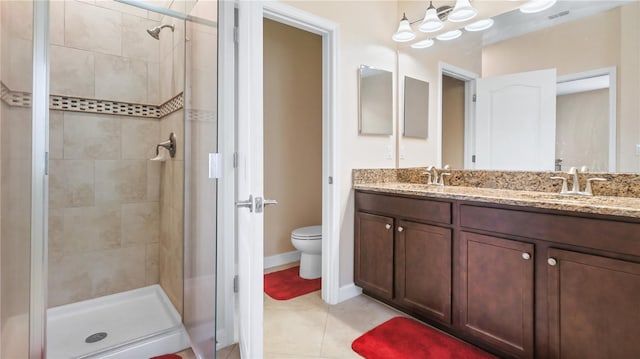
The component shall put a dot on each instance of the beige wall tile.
(121, 79)
(56, 184)
(88, 136)
(153, 83)
(89, 275)
(178, 69)
(55, 134)
(18, 19)
(153, 180)
(121, 181)
(140, 223)
(152, 264)
(91, 228)
(139, 138)
(16, 133)
(136, 42)
(165, 79)
(122, 8)
(56, 22)
(17, 64)
(78, 183)
(72, 72)
(93, 28)
(56, 232)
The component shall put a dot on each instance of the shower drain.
(95, 337)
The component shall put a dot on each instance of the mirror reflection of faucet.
(575, 185)
(432, 175)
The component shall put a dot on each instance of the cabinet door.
(593, 306)
(496, 292)
(423, 269)
(374, 254)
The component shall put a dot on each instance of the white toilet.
(308, 240)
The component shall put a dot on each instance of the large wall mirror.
(580, 59)
(416, 108)
(376, 101)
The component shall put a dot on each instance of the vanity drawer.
(615, 236)
(407, 208)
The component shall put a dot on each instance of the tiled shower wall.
(104, 218)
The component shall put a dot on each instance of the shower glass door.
(201, 198)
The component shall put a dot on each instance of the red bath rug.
(287, 284)
(168, 356)
(404, 338)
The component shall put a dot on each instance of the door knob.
(400, 229)
(526, 256)
(552, 261)
(246, 204)
(387, 226)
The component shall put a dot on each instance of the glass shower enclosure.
(108, 215)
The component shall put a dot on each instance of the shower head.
(155, 32)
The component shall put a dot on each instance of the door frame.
(613, 87)
(328, 30)
(469, 78)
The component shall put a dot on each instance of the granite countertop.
(613, 206)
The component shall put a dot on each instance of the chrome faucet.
(575, 186)
(432, 173)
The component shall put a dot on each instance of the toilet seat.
(307, 233)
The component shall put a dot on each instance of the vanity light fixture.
(431, 22)
(423, 44)
(462, 11)
(533, 6)
(479, 25)
(404, 32)
(449, 35)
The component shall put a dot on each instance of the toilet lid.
(311, 232)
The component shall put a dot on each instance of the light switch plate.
(638, 150)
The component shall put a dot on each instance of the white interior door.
(516, 121)
(250, 179)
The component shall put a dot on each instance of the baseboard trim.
(281, 259)
(348, 291)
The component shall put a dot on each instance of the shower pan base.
(139, 323)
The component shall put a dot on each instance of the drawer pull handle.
(387, 226)
(400, 229)
(526, 256)
(552, 261)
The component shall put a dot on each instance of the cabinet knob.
(387, 226)
(400, 229)
(526, 256)
(552, 261)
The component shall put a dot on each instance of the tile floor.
(306, 327)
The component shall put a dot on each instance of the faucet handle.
(564, 183)
(442, 177)
(428, 174)
(588, 191)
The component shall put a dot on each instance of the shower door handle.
(261, 203)
(246, 204)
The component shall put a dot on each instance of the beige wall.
(359, 43)
(608, 39)
(581, 119)
(453, 122)
(292, 132)
(15, 192)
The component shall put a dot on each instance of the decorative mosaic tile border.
(79, 104)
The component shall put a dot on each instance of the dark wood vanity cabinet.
(497, 292)
(374, 254)
(401, 260)
(423, 269)
(520, 282)
(594, 306)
